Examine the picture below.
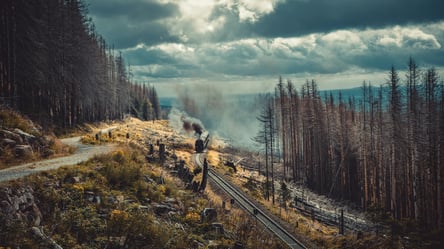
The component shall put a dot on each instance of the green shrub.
(121, 175)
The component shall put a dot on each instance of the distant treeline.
(55, 68)
(385, 152)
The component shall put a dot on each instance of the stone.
(162, 209)
(48, 152)
(23, 151)
(25, 136)
(238, 245)
(73, 180)
(89, 196)
(48, 241)
(218, 227)
(11, 135)
(6, 142)
(170, 200)
(120, 198)
(148, 179)
(19, 203)
(208, 215)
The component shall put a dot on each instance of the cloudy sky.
(245, 45)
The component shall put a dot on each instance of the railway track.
(252, 208)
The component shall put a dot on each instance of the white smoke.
(232, 118)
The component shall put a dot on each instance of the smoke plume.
(183, 123)
(232, 117)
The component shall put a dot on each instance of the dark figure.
(151, 150)
(162, 151)
(203, 185)
(199, 145)
(231, 165)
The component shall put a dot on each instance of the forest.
(56, 69)
(383, 151)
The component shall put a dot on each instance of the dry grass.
(48, 146)
(12, 119)
(213, 158)
(322, 235)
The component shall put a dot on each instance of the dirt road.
(83, 153)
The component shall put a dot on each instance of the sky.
(243, 46)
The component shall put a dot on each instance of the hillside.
(22, 141)
(135, 197)
(121, 199)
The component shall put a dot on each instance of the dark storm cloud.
(125, 24)
(299, 17)
(235, 41)
(122, 35)
(133, 10)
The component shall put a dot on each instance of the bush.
(122, 175)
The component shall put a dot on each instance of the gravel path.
(83, 153)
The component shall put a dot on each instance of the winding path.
(83, 153)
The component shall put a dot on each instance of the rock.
(218, 227)
(208, 215)
(238, 245)
(23, 151)
(148, 179)
(38, 217)
(73, 180)
(11, 135)
(6, 142)
(111, 200)
(170, 200)
(144, 208)
(92, 197)
(160, 209)
(120, 198)
(146, 201)
(48, 152)
(20, 204)
(46, 240)
(23, 134)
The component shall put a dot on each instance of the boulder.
(47, 241)
(20, 203)
(11, 135)
(6, 142)
(23, 151)
(23, 134)
(160, 209)
(208, 215)
(48, 152)
(73, 180)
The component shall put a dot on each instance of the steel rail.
(251, 207)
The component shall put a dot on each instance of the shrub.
(119, 156)
(121, 176)
(192, 217)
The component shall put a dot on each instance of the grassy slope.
(46, 146)
(126, 213)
